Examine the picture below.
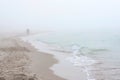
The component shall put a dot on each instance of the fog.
(66, 15)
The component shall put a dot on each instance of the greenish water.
(104, 47)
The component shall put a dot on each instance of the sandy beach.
(21, 61)
(27, 58)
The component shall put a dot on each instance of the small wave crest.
(79, 59)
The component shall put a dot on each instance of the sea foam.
(79, 59)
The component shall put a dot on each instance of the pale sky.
(60, 14)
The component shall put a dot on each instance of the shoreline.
(63, 68)
(66, 70)
(35, 59)
(46, 61)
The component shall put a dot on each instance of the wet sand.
(18, 57)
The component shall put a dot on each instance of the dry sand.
(19, 59)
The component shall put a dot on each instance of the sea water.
(97, 53)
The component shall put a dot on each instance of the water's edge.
(66, 60)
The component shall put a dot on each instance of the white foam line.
(46, 48)
(88, 73)
(83, 61)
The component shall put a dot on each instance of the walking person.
(28, 31)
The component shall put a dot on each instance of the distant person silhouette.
(28, 31)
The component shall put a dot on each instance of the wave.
(79, 59)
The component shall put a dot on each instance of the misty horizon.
(60, 14)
